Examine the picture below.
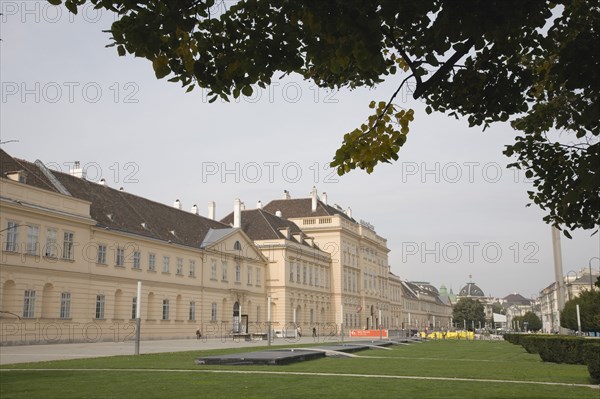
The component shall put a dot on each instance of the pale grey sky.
(449, 208)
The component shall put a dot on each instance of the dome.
(471, 290)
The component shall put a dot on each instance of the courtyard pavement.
(38, 353)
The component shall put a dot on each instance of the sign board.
(368, 333)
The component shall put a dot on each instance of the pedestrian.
(198, 334)
(314, 332)
(299, 332)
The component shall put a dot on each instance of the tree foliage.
(470, 311)
(534, 63)
(589, 311)
(529, 321)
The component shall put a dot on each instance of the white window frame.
(29, 304)
(32, 246)
(152, 262)
(12, 236)
(68, 245)
(65, 305)
(100, 306)
(51, 248)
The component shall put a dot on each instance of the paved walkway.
(37, 353)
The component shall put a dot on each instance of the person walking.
(198, 334)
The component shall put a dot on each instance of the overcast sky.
(449, 208)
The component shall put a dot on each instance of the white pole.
(380, 326)
(269, 320)
(342, 321)
(578, 319)
(138, 317)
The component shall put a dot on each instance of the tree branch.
(443, 70)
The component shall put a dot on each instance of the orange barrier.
(368, 333)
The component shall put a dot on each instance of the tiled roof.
(125, 212)
(35, 177)
(516, 299)
(259, 224)
(302, 207)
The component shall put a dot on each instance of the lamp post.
(569, 283)
(590, 265)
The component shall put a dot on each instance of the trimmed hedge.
(591, 356)
(562, 349)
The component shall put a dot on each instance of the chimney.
(278, 214)
(211, 210)
(237, 213)
(313, 196)
(349, 212)
(77, 171)
(102, 182)
(195, 209)
(286, 195)
(121, 189)
(324, 198)
(259, 205)
(243, 206)
(177, 204)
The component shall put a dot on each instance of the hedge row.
(562, 349)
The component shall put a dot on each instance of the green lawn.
(373, 375)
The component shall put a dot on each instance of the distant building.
(471, 290)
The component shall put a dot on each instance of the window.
(238, 273)
(29, 304)
(133, 307)
(120, 257)
(152, 262)
(292, 272)
(65, 305)
(102, 254)
(224, 271)
(237, 246)
(304, 275)
(298, 273)
(192, 268)
(68, 245)
(310, 274)
(33, 238)
(166, 261)
(317, 272)
(192, 315)
(213, 269)
(213, 312)
(258, 277)
(179, 270)
(250, 272)
(51, 247)
(137, 263)
(12, 237)
(99, 306)
(165, 309)
(258, 314)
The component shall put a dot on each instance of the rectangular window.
(65, 305)
(99, 306)
(238, 273)
(102, 254)
(12, 237)
(137, 260)
(133, 307)
(192, 315)
(152, 262)
(120, 257)
(29, 304)
(166, 262)
(298, 273)
(224, 271)
(51, 247)
(192, 268)
(213, 269)
(291, 272)
(33, 240)
(250, 275)
(317, 272)
(258, 277)
(304, 275)
(213, 312)
(179, 270)
(310, 275)
(165, 309)
(68, 245)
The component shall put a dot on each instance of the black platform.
(288, 356)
